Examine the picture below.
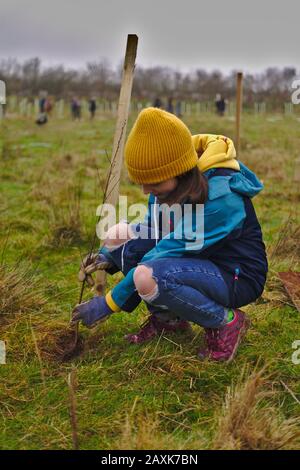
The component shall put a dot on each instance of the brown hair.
(192, 188)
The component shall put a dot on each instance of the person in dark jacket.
(42, 117)
(199, 265)
(92, 107)
(158, 103)
(220, 105)
(170, 105)
(75, 108)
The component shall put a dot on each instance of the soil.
(60, 345)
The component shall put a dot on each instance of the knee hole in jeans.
(144, 281)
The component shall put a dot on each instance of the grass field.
(135, 397)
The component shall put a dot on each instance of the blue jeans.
(190, 288)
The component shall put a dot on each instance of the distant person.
(220, 105)
(170, 106)
(92, 107)
(48, 106)
(75, 108)
(42, 117)
(157, 103)
(42, 102)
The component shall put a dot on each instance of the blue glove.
(91, 312)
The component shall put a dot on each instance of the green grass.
(158, 394)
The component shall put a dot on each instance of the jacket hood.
(215, 151)
(245, 182)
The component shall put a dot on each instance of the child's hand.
(90, 264)
(91, 312)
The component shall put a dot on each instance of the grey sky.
(231, 34)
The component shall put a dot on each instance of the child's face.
(160, 190)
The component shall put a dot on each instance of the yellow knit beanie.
(159, 147)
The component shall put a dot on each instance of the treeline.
(99, 79)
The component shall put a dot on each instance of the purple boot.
(222, 343)
(153, 327)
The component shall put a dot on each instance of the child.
(208, 262)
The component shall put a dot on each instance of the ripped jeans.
(189, 288)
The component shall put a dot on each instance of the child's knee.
(144, 281)
(117, 235)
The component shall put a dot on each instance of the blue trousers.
(189, 288)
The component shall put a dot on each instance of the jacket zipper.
(236, 278)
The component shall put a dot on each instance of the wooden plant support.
(239, 100)
(120, 136)
(111, 192)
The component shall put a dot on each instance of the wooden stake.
(120, 136)
(239, 99)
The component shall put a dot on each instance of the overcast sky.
(232, 34)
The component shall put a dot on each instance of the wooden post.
(120, 136)
(239, 99)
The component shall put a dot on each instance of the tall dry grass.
(143, 433)
(249, 420)
(20, 290)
